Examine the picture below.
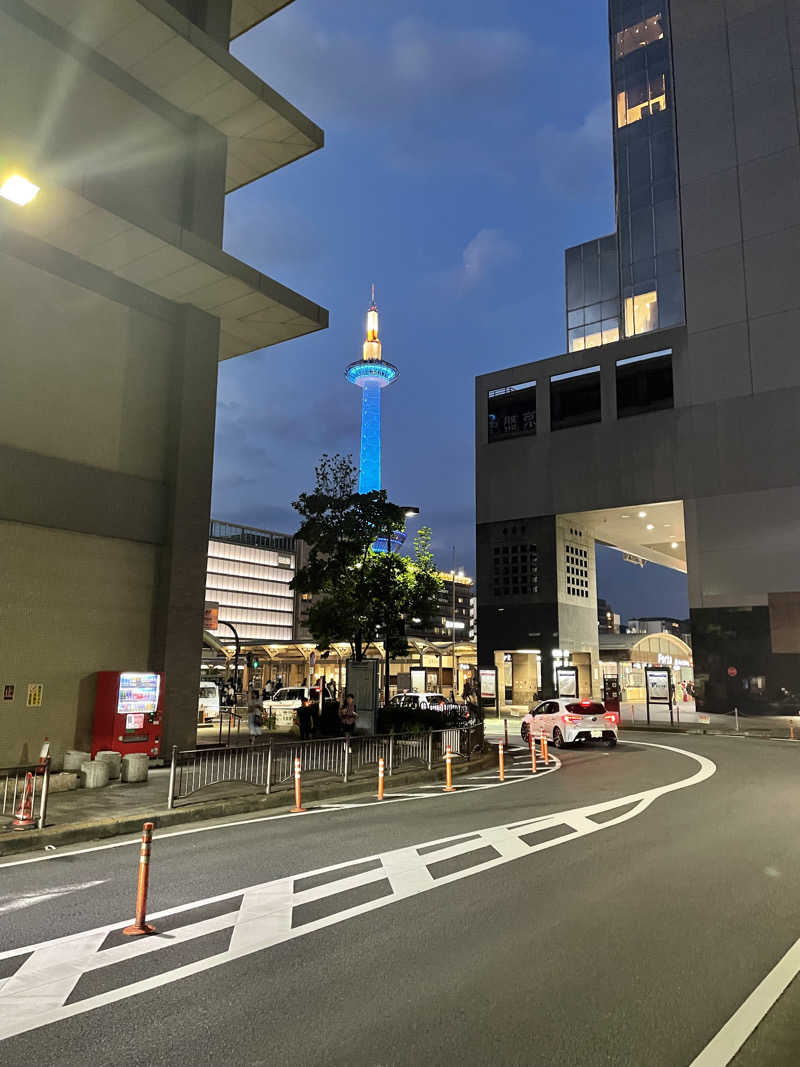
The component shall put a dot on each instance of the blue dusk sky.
(467, 145)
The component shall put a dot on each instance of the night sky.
(467, 145)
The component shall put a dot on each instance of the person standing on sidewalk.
(348, 715)
(254, 710)
(305, 718)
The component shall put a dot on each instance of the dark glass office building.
(668, 429)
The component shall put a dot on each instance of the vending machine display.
(128, 712)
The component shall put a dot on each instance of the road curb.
(100, 829)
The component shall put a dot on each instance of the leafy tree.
(357, 591)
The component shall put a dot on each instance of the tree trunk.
(359, 647)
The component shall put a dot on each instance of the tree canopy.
(357, 591)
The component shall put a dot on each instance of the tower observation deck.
(371, 373)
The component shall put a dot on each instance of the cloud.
(487, 253)
(416, 69)
(577, 161)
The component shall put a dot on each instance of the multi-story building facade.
(118, 303)
(668, 429)
(248, 576)
(455, 612)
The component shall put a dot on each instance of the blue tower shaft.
(369, 477)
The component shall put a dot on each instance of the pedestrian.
(268, 689)
(305, 718)
(348, 715)
(254, 719)
(332, 688)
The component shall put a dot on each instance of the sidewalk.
(121, 808)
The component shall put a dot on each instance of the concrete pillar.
(608, 390)
(178, 623)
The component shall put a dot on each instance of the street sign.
(35, 695)
(732, 672)
(567, 681)
(211, 615)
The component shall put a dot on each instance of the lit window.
(639, 36)
(594, 336)
(641, 313)
(610, 331)
(644, 98)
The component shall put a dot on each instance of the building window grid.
(576, 570)
(515, 570)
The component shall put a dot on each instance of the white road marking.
(725, 1044)
(36, 994)
(18, 901)
(316, 810)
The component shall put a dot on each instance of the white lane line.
(18, 901)
(36, 995)
(316, 810)
(725, 1044)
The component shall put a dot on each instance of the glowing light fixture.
(642, 514)
(674, 544)
(18, 190)
(650, 526)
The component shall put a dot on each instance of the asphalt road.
(575, 943)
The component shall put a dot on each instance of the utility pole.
(453, 622)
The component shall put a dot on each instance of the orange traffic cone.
(23, 816)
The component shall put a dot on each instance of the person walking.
(305, 718)
(348, 715)
(332, 688)
(254, 710)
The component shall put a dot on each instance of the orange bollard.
(141, 926)
(298, 808)
(501, 755)
(505, 724)
(532, 744)
(380, 778)
(448, 762)
(23, 816)
(791, 732)
(545, 756)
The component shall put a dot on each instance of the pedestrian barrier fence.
(270, 764)
(23, 795)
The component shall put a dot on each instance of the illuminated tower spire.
(371, 373)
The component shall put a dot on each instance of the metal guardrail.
(269, 764)
(12, 790)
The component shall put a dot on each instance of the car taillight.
(572, 718)
(610, 717)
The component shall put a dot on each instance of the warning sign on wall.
(35, 695)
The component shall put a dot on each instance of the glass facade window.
(648, 211)
(575, 398)
(644, 383)
(512, 411)
(593, 311)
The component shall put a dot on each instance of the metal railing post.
(391, 753)
(172, 769)
(269, 767)
(430, 747)
(43, 795)
(346, 757)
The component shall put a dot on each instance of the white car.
(566, 720)
(417, 700)
(208, 702)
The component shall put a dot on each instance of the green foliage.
(358, 592)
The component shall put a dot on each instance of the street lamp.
(409, 513)
(18, 190)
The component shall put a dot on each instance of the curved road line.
(39, 990)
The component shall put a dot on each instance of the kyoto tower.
(371, 373)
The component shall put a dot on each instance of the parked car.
(208, 702)
(284, 703)
(567, 720)
(417, 700)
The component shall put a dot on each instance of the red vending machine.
(127, 713)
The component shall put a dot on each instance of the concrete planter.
(74, 758)
(94, 774)
(114, 761)
(135, 767)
